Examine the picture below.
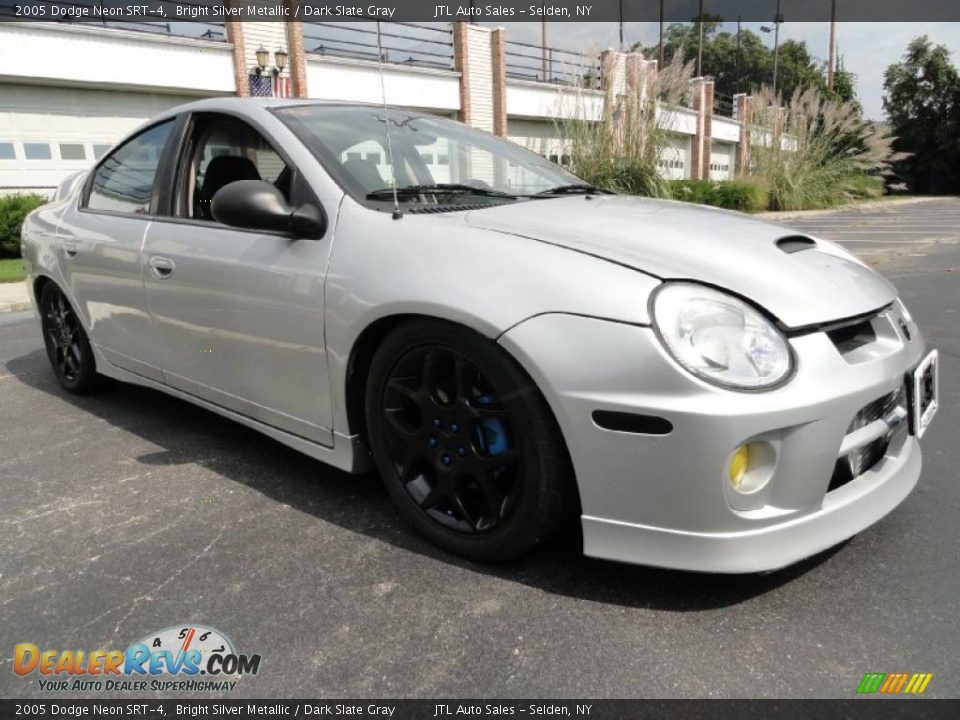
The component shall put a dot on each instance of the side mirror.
(258, 205)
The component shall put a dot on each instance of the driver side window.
(223, 150)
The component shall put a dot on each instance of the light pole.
(661, 35)
(700, 42)
(833, 45)
(777, 20)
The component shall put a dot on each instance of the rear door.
(100, 240)
(240, 314)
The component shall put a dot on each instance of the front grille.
(850, 337)
(854, 464)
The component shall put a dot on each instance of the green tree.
(922, 102)
(750, 68)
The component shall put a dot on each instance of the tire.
(68, 347)
(465, 443)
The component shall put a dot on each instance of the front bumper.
(665, 499)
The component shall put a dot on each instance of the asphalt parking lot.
(130, 511)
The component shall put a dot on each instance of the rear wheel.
(465, 443)
(68, 348)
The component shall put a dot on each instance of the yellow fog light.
(738, 466)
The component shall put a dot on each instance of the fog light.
(738, 466)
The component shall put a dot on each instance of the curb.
(867, 205)
(19, 306)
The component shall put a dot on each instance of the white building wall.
(61, 54)
(330, 78)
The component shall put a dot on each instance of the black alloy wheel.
(68, 348)
(466, 444)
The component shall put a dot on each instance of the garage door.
(721, 161)
(674, 160)
(47, 133)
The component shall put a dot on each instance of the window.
(460, 155)
(124, 181)
(99, 151)
(72, 151)
(225, 150)
(36, 151)
(6, 151)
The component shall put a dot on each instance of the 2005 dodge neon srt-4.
(508, 345)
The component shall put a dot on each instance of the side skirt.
(348, 452)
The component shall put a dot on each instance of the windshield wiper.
(574, 189)
(436, 189)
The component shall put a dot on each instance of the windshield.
(428, 152)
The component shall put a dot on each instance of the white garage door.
(47, 133)
(674, 162)
(721, 161)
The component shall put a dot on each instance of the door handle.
(70, 247)
(162, 267)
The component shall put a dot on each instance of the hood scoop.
(795, 243)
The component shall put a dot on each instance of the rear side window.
(124, 182)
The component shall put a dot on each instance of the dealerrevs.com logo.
(181, 658)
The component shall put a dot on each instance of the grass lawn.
(11, 270)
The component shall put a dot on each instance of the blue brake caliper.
(493, 435)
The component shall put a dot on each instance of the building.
(69, 90)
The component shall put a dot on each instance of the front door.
(239, 313)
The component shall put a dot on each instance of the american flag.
(269, 86)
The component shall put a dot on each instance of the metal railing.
(401, 43)
(723, 105)
(526, 61)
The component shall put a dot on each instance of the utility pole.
(543, 44)
(833, 45)
(700, 42)
(620, 15)
(739, 56)
(661, 36)
(776, 45)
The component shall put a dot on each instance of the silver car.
(509, 347)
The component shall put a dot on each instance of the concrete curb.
(14, 297)
(866, 205)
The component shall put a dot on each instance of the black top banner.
(500, 709)
(482, 11)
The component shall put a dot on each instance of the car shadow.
(189, 434)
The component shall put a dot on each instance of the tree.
(753, 68)
(922, 102)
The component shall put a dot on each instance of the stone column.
(297, 61)
(235, 38)
(498, 63)
(744, 109)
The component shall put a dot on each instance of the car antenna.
(386, 121)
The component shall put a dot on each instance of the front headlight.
(719, 337)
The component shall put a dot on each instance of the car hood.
(673, 240)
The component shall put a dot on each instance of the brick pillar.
(298, 60)
(474, 48)
(462, 65)
(235, 38)
(612, 80)
(744, 110)
(697, 94)
(707, 128)
(498, 63)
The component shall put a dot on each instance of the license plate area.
(923, 393)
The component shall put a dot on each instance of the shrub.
(693, 191)
(825, 153)
(743, 195)
(13, 209)
(861, 186)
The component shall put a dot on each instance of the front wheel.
(68, 348)
(465, 443)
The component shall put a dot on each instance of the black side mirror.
(258, 205)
